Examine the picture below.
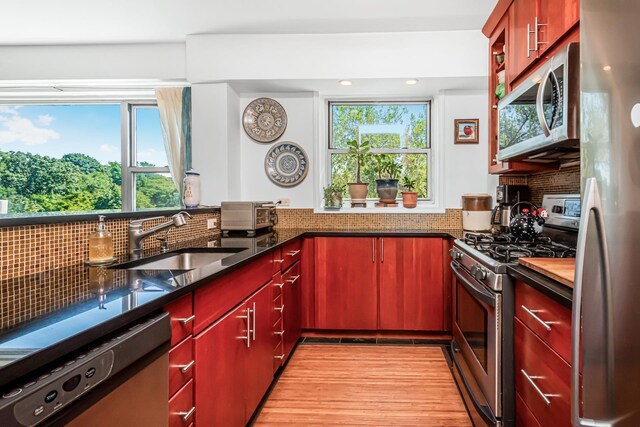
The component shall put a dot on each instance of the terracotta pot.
(409, 199)
(358, 192)
(387, 190)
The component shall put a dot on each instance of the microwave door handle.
(592, 203)
(540, 103)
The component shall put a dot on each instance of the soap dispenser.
(100, 244)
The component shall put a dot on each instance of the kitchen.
(340, 213)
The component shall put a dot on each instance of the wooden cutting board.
(559, 269)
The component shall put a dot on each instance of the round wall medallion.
(286, 164)
(264, 120)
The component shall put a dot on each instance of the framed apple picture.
(466, 131)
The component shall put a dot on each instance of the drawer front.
(181, 364)
(277, 260)
(278, 309)
(181, 407)
(291, 253)
(542, 378)
(524, 417)
(277, 285)
(278, 333)
(278, 357)
(182, 319)
(550, 320)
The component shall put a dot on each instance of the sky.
(93, 129)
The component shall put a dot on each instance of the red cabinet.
(523, 34)
(411, 284)
(234, 363)
(291, 313)
(346, 276)
(559, 17)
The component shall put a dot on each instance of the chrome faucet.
(137, 234)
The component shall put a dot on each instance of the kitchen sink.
(181, 259)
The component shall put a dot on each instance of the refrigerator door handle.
(591, 203)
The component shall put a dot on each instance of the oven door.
(477, 337)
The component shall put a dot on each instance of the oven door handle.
(481, 294)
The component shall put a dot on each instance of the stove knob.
(455, 254)
(479, 273)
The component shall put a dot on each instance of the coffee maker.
(506, 197)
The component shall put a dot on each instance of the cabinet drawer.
(278, 309)
(291, 253)
(278, 333)
(542, 378)
(278, 357)
(182, 319)
(277, 260)
(550, 320)
(292, 275)
(277, 283)
(181, 407)
(524, 417)
(181, 363)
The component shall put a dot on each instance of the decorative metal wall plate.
(286, 164)
(264, 120)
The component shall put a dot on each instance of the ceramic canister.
(476, 212)
(191, 186)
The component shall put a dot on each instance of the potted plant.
(333, 196)
(387, 183)
(409, 196)
(360, 152)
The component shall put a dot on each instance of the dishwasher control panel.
(38, 398)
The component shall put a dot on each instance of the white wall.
(165, 61)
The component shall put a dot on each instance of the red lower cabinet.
(181, 407)
(291, 314)
(234, 363)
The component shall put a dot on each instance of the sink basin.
(182, 259)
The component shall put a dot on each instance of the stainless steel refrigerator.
(606, 310)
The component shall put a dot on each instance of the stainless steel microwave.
(541, 116)
(247, 216)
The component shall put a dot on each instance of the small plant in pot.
(387, 183)
(360, 153)
(409, 196)
(333, 196)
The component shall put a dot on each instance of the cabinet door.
(522, 20)
(221, 353)
(346, 283)
(411, 284)
(559, 16)
(291, 314)
(259, 361)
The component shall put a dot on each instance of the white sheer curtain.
(174, 104)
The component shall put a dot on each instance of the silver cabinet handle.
(536, 40)
(248, 319)
(528, 40)
(373, 250)
(186, 415)
(280, 309)
(254, 321)
(279, 261)
(279, 357)
(185, 368)
(293, 253)
(292, 281)
(279, 332)
(188, 319)
(531, 379)
(532, 313)
(382, 250)
(280, 285)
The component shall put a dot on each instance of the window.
(395, 130)
(69, 157)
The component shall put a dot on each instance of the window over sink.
(394, 130)
(83, 156)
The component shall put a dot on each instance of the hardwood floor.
(365, 385)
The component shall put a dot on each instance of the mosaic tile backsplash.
(25, 250)
(307, 219)
(563, 181)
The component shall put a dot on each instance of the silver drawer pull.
(188, 319)
(279, 357)
(293, 253)
(280, 309)
(280, 285)
(279, 261)
(186, 415)
(531, 379)
(279, 332)
(185, 368)
(532, 313)
(294, 279)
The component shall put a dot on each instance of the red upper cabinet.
(346, 291)
(522, 49)
(558, 17)
(411, 284)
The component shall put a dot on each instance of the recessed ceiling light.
(607, 68)
(346, 82)
(412, 82)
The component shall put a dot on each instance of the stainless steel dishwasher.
(121, 380)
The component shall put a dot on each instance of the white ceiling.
(26, 22)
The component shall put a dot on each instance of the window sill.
(371, 209)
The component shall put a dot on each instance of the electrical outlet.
(285, 201)
(212, 223)
(212, 244)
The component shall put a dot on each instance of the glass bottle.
(100, 243)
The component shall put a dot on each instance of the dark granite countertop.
(555, 290)
(104, 300)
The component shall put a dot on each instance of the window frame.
(428, 150)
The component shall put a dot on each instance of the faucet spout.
(137, 234)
